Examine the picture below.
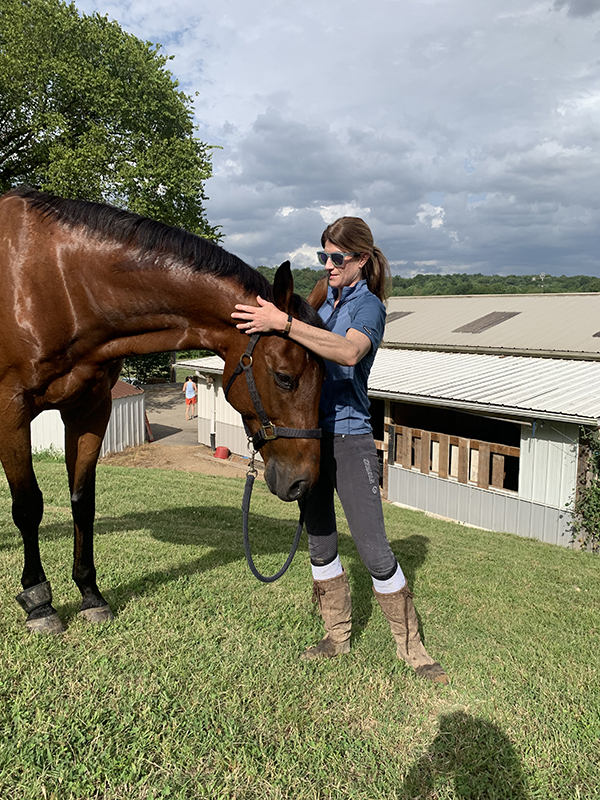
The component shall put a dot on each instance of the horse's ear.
(319, 294)
(283, 287)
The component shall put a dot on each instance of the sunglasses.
(336, 258)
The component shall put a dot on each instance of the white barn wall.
(548, 463)
(48, 431)
(126, 427)
(484, 508)
(214, 412)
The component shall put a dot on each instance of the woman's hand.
(263, 318)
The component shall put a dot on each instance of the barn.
(126, 427)
(477, 406)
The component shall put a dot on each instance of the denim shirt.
(344, 406)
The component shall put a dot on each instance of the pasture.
(196, 690)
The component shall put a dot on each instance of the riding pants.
(349, 464)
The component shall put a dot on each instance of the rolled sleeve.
(369, 318)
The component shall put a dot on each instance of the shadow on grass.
(219, 530)
(472, 754)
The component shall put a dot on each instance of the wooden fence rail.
(465, 460)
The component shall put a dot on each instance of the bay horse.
(83, 286)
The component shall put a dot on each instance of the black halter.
(268, 431)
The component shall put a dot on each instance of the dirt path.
(176, 440)
(185, 458)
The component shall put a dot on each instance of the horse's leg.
(83, 439)
(27, 511)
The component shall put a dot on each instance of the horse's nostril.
(297, 490)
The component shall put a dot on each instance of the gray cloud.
(466, 136)
(578, 8)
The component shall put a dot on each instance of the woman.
(354, 316)
(191, 391)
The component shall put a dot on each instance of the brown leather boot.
(335, 606)
(399, 610)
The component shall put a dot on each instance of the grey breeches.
(349, 464)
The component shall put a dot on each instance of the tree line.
(492, 284)
(424, 285)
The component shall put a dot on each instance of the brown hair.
(354, 235)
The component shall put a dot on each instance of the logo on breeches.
(370, 475)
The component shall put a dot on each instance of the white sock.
(331, 570)
(393, 584)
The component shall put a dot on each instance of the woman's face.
(349, 273)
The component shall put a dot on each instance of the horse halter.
(268, 431)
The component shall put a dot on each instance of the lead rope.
(250, 477)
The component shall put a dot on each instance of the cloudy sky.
(465, 132)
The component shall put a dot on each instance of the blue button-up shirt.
(344, 404)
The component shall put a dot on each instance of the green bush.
(586, 506)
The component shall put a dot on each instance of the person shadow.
(473, 756)
(411, 553)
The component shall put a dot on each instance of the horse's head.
(288, 381)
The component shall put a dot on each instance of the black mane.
(150, 236)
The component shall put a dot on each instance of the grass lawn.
(196, 690)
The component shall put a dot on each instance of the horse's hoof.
(50, 624)
(97, 615)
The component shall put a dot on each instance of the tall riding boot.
(399, 611)
(335, 606)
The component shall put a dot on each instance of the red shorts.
(190, 401)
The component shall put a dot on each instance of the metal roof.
(555, 325)
(211, 365)
(513, 386)
(507, 386)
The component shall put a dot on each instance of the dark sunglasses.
(336, 258)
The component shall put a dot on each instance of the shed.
(477, 404)
(126, 427)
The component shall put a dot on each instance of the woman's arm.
(346, 350)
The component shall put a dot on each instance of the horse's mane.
(150, 236)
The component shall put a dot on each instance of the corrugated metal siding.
(548, 463)
(485, 509)
(126, 425)
(48, 431)
(550, 322)
(125, 428)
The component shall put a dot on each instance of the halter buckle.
(268, 432)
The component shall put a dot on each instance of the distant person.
(191, 396)
(354, 316)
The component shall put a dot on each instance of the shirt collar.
(347, 292)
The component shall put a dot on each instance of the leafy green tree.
(90, 111)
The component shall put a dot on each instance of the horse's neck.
(174, 310)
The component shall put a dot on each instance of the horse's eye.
(284, 381)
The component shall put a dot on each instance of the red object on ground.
(222, 452)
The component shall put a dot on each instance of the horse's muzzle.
(286, 486)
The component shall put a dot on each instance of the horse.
(85, 285)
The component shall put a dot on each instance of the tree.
(90, 111)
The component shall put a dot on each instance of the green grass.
(196, 690)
